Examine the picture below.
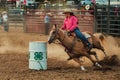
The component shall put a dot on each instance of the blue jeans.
(6, 26)
(81, 36)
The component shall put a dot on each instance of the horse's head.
(53, 34)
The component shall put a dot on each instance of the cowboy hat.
(49, 14)
(67, 11)
(45, 1)
(4, 12)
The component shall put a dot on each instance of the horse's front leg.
(95, 54)
(99, 46)
(94, 62)
(102, 49)
(80, 63)
(76, 59)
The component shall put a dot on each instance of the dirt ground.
(14, 62)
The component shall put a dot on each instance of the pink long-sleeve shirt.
(70, 23)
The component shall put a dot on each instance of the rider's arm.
(64, 25)
(73, 23)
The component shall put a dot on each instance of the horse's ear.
(55, 26)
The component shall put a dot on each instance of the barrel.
(38, 55)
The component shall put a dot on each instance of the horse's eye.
(54, 32)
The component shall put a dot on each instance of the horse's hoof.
(98, 65)
(82, 68)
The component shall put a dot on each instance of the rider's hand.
(68, 30)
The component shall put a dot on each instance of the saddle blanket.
(86, 35)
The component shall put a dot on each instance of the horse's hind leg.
(99, 46)
(76, 59)
(94, 62)
(105, 53)
(80, 63)
(94, 53)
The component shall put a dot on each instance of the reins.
(60, 35)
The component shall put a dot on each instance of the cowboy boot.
(88, 46)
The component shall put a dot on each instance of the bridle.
(57, 33)
(62, 39)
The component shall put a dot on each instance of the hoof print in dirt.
(103, 69)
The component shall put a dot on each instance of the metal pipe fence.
(107, 20)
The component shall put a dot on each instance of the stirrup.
(89, 47)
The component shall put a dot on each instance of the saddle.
(84, 33)
(87, 36)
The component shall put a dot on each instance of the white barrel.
(38, 55)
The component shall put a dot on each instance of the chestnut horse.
(75, 47)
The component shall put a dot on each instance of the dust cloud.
(111, 45)
(19, 44)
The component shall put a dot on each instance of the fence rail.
(35, 20)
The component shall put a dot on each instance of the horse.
(75, 47)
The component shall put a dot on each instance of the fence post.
(108, 18)
(24, 22)
(95, 16)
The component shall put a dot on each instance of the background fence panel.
(107, 19)
(35, 20)
(16, 18)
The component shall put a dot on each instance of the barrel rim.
(38, 41)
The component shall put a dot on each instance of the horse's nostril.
(49, 41)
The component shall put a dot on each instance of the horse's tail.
(89, 33)
(102, 37)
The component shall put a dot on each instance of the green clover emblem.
(38, 55)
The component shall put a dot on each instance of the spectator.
(79, 5)
(47, 5)
(116, 10)
(5, 21)
(93, 2)
(47, 22)
(0, 19)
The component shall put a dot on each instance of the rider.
(70, 24)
